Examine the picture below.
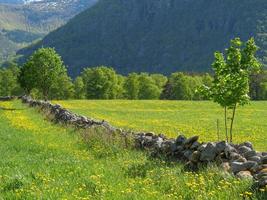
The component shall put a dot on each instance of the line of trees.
(45, 76)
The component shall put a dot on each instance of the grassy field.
(40, 160)
(173, 117)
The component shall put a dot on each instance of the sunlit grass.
(40, 160)
(175, 117)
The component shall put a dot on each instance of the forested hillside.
(23, 23)
(156, 35)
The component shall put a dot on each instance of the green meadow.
(42, 160)
(176, 117)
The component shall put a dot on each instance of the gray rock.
(255, 158)
(220, 146)
(264, 160)
(195, 156)
(229, 150)
(159, 142)
(208, 153)
(202, 147)
(262, 182)
(244, 149)
(247, 144)
(241, 159)
(149, 134)
(244, 175)
(239, 166)
(249, 154)
(264, 153)
(180, 139)
(188, 143)
(176, 148)
(187, 154)
(250, 164)
(234, 156)
(195, 145)
(261, 174)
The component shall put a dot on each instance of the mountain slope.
(25, 21)
(156, 35)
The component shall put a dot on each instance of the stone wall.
(7, 98)
(242, 160)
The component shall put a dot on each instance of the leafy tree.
(230, 86)
(181, 89)
(120, 88)
(42, 70)
(27, 78)
(62, 88)
(131, 86)
(8, 81)
(147, 87)
(160, 80)
(100, 83)
(79, 88)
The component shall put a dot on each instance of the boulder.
(195, 145)
(249, 154)
(243, 149)
(234, 156)
(263, 182)
(229, 150)
(149, 134)
(244, 175)
(247, 144)
(220, 146)
(264, 160)
(208, 153)
(195, 157)
(187, 154)
(240, 166)
(180, 140)
(188, 143)
(241, 159)
(255, 158)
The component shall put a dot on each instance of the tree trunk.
(225, 123)
(232, 122)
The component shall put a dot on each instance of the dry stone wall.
(242, 160)
(7, 98)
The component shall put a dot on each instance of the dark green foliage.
(132, 86)
(79, 88)
(45, 72)
(8, 80)
(100, 83)
(156, 36)
(147, 87)
(183, 87)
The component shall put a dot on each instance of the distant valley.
(23, 22)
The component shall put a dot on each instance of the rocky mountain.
(156, 35)
(24, 21)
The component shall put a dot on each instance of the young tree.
(230, 86)
(42, 70)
